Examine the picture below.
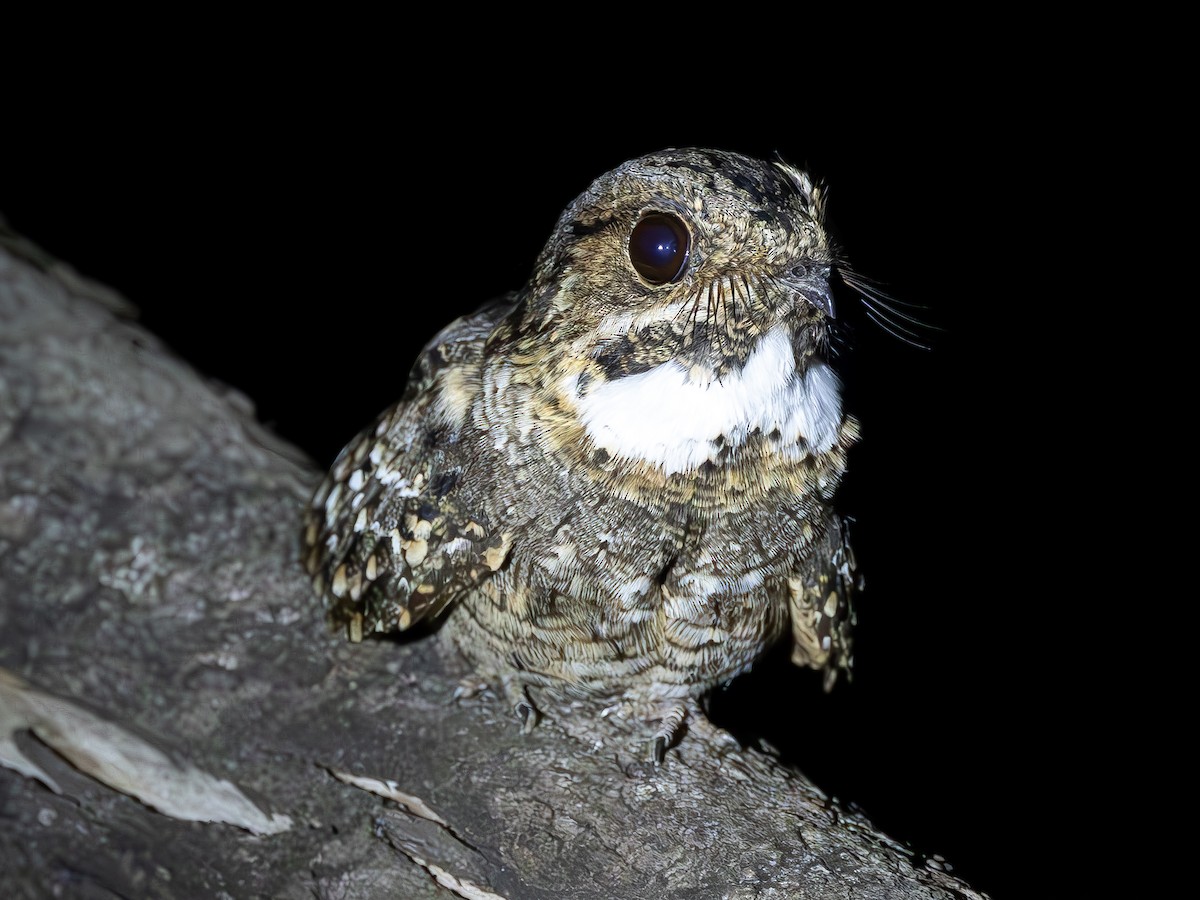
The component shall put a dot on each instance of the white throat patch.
(660, 417)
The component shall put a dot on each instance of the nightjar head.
(686, 255)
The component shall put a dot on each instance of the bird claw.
(528, 714)
(658, 751)
(672, 728)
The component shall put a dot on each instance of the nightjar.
(616, 482)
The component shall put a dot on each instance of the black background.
(300, 237)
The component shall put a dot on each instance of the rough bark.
(149, 574)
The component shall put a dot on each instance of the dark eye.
(658, 247)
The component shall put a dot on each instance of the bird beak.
(820, 296)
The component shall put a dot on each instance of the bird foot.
(469, 688)
(671, 728)
(516, 694)
(512, 691)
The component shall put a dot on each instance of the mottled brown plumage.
(617, 481)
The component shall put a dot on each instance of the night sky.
(302, 245)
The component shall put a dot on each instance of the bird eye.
(658, 247)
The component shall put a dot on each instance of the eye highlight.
(658, 247)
